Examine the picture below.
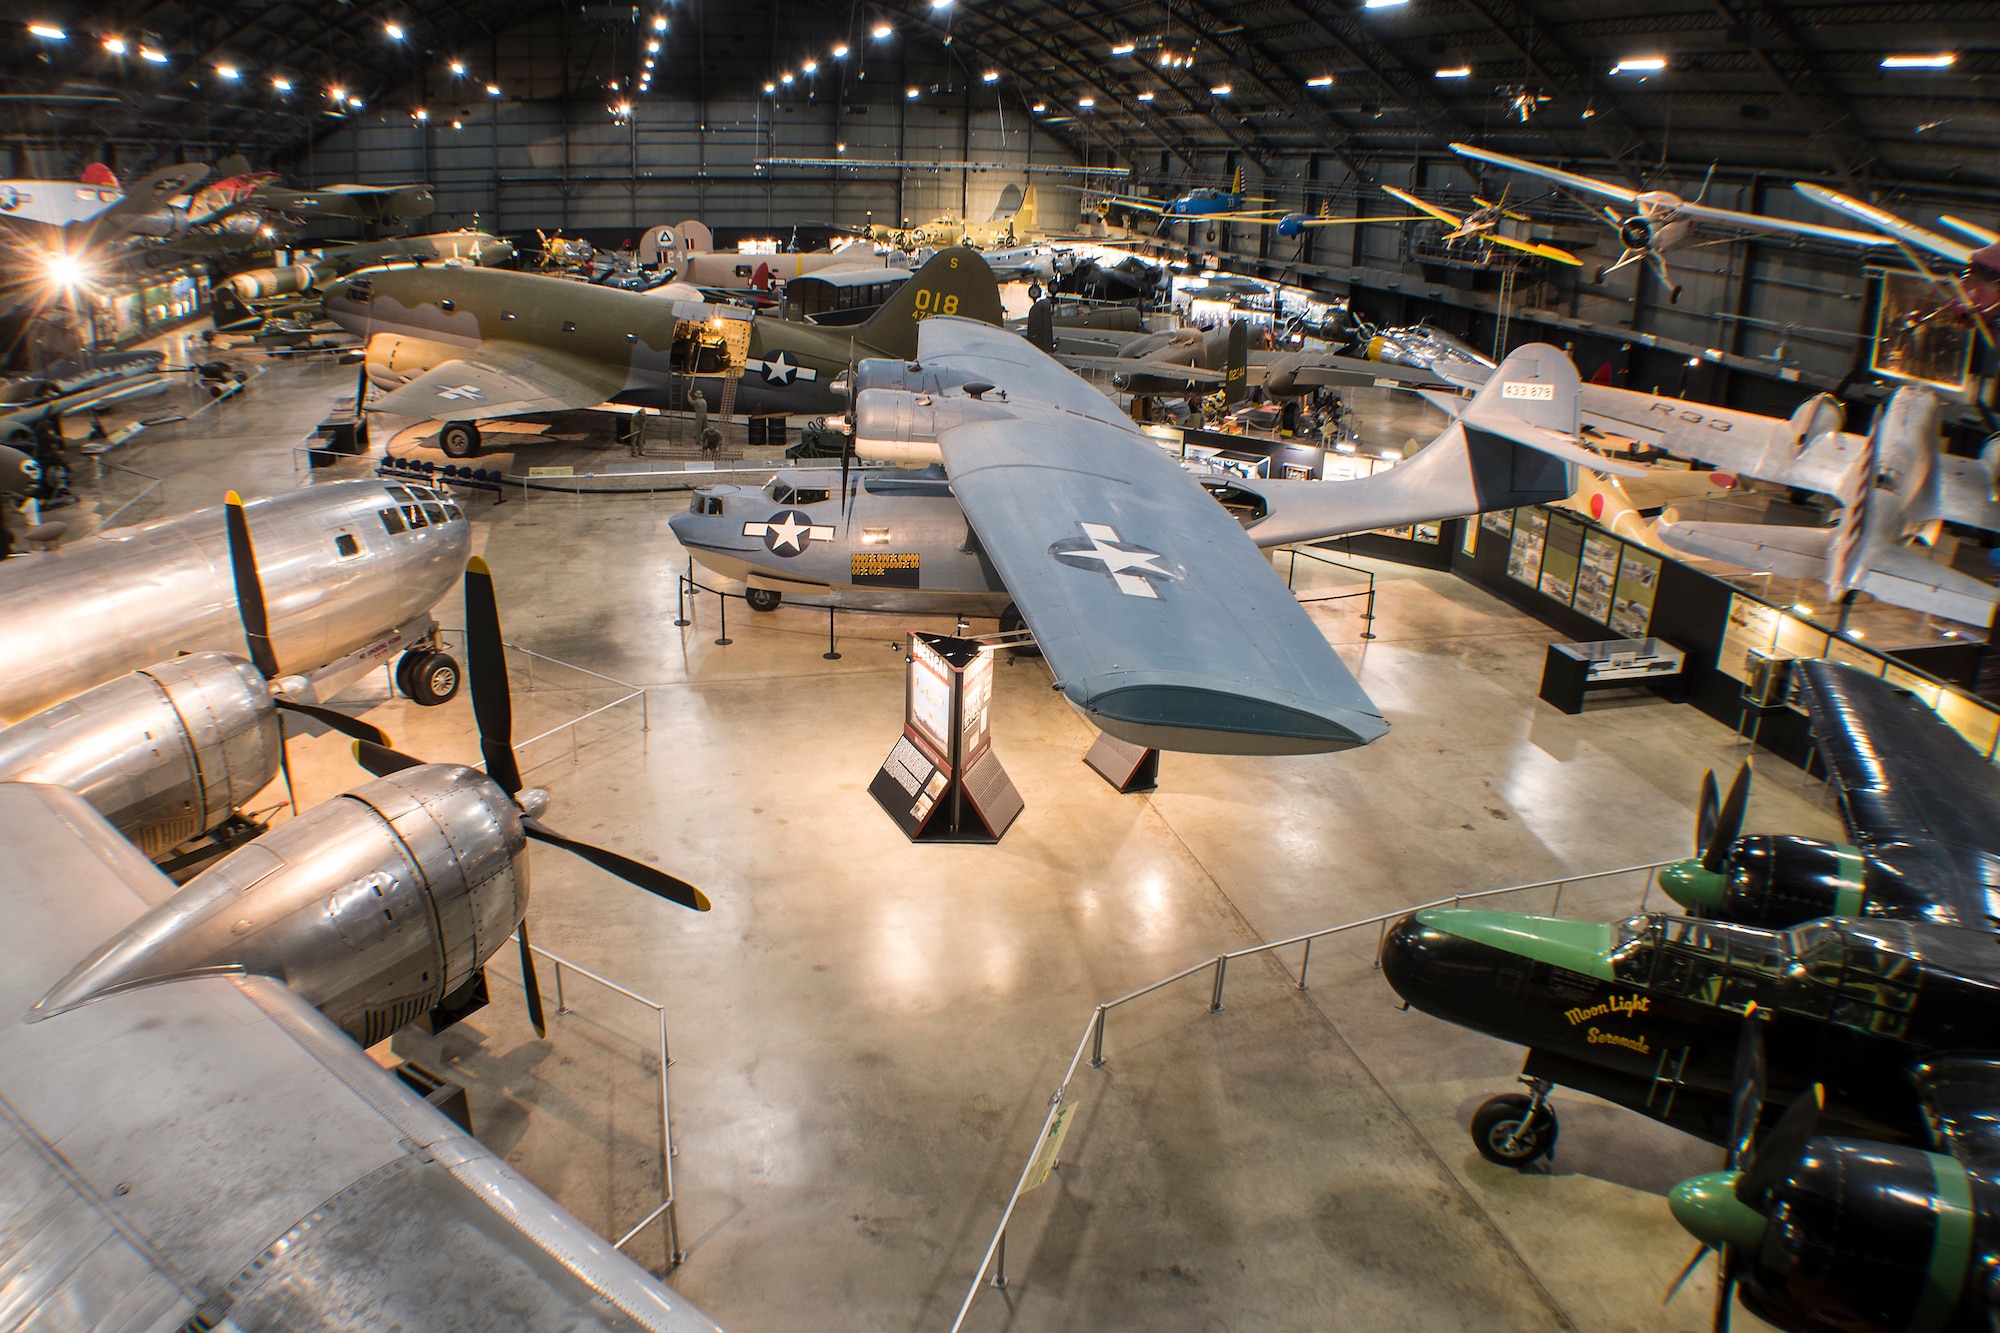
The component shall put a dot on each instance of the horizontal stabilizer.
(1532, 400)
(1903, 577)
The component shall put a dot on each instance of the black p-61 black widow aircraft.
(1858, 984)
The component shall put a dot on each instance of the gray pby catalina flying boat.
(1162, 620)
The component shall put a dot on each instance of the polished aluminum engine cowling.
(165, 753)
(374, 906)
(902, 427)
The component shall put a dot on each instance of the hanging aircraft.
(1856, 983)
(1975, 290)
(1197, 205)
(241, 299)
(85, 383)
(371, 204)
(1658, 221)
(1890, 494)
(96, 204)
(1162, 620)
(216, 1152)
(1293, 225)
(1016, 221)
(1177, 361)
(488, 343)
(1482, 226)
(147, 670)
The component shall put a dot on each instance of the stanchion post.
(1381, 938)
(1304, 963)
(680, 601)
(999, 1278)
(1221, 969)
(1368, 616)
(722, 601)
(830, 654)
(561, 1008)
(1097, 1040)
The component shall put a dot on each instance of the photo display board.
(1562, 556)
(1524, 558)
(1597, 576)
(930, 695)
(1638, 583)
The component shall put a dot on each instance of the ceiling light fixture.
(282, 85)
(810, 67)
(1123, 49)
(1086, 102)
(840, 52)
(653, 47)
(659, 23)
(882, 32)
(420, 114)
(354, 102)
(492, 90)
(395, 31)
(1640, 65)
(1456, 72)
(458, 68)
(1220, 90)
(156, 57)
(1323, 81)
(1040, 107)
(1145, 97)
(911, 95)
(990, 76)
(48, 32)
(1385, 4)
(229, 72)
(115, 45)
(785, 79)
(1939, 61)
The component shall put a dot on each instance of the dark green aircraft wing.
(1163, 622)
(1915, 796)
(1159, 370)
(504, 379)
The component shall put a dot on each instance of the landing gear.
(1599, 275)
(459, 439)
(427, 677)
(762, 599)
(1674, 294)
(1513, 1130)
(1012, 623)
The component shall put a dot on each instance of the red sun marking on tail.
(99, 174)
(1597, 506)
(1722, 479)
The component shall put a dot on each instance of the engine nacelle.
(394, 359)
(374, 906)
(281, 280)
(899, 426)
(1635, 233)
(165, 753)
(1773, 882)
(1853, 1237)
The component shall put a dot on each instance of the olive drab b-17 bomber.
(1162, 619)
(1855, 989)
(463, 345)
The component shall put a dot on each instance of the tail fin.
(1042, 325)
(231, 311)
(1532, 400)
(1236, 182)
(1815, 417)
(952, 282)
(99, 175)
(1009, 204)
(1027, 217)
(1236, 365)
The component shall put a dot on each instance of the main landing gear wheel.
(763, 599)
(1012, 623)
(430, 679)
(1511, 1130)
(459, 439)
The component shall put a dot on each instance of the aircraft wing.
(1799, 451)
(504, 379)
(1433, 210)
(1127, 365)
(1568, 179)
(1557, 253)
(1790, 553)
(217, 1146)
(1912, 792)
(1162, 621)
(1888, 223)
(1327, 222)
(1335, 371)
(1728, 217)
(1982, 235)
(1906, 577)
(1965, 493)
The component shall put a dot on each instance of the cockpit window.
(400, 494)
(705, 504)
(392, 519)
(434, 512)
(452, 511)
(1705, 961)
(414, 514)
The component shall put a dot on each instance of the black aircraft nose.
(1411, 956)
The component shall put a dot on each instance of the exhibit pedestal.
(1126, 766)
(942, 782)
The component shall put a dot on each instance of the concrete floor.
(866, 1033)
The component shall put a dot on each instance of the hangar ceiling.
(1782, 85)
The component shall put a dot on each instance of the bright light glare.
(1919, 62)
(1145, 97)
(1640, 65)
(492, 90)
(116, 45)
(48, 32)
(912, 94)
(785, 79)
(653, 47)
(282, 85)
(1122, 49)
(1220, 90)
(1323, 81)
(810, 67)
(64, 270)
(229, 72)
(395, 32)
(1385, 4)
(420, 114)
(659, 23)
(148, 53)
(840, 52)
(354, 102)
(770, 87)
(1459, 72)
(882, 31)
(1040, 107)
(458, 67)
(1086, 102)
(990, 76)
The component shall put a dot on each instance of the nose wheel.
(1514, 1130)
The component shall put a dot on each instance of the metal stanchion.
(830, 655)
(1305, 963)
(1368, 616)
(1097, 1040)
(681, 582)
(1221, 969)
(999, 1278)
(722, 600)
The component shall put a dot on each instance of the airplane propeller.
(1719, 826)
(493, 711)
(255, 615)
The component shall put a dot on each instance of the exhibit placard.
(1638, 583)
(930, 695)
(885, 569)
(1752, 627)
(973, 731)
(1524, 557)
(1562, 556)
(1597, 576)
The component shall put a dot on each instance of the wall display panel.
(1638, 583)
(1597, 575)
(1752, 628)
(1498, 520)
(1562, 557)
(1524, 558)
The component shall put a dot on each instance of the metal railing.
(994, 1261)
(666, 1211)
(150, 490)
(1368, 612)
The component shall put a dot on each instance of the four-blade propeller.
(493, 709)
(1720, 824)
